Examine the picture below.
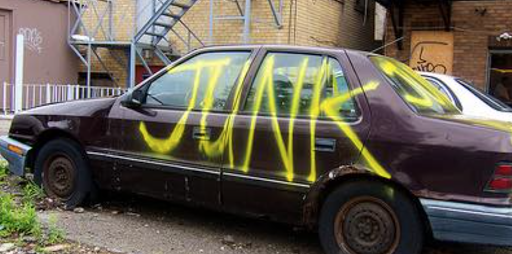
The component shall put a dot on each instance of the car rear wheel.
(62, 170)
(366, 217)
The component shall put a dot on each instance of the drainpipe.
(18, 79)
(247, 22)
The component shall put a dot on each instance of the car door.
(172, 142)
(298, 122)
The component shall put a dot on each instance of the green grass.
(55, 234)
(20, 219)
(3, 170)
(32, 192)
(18, 216)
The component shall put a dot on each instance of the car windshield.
(421, 95)
(486, 98)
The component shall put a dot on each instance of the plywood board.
(432, 51)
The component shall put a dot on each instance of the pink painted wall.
(48, 58)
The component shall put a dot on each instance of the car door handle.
(199, 133)
(325, 144)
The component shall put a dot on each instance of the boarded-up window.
(432, 51)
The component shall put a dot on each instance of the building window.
(500, 76)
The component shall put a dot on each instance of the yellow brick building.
(332, 23)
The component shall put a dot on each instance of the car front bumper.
(15, 153)
(469, 223)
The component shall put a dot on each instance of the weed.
(55, 234)
(3, 170)
(18, 215)
(39, 249)
(32, 192)
(20, 219)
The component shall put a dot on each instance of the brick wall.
(263, 29)
(357, 29)
(122, 30)
(305, 22)
(123, 13)
(471, 33)
(332, 23)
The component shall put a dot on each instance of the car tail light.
(501, 181)
(504, 170)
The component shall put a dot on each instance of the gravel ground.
(40, 244)
(137, 225)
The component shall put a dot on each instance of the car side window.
(283, 80)
(298, 85)
(203, 82)
(337, 87)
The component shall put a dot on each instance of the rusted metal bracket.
(445, 7)
(396, 11)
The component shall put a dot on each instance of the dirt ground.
(128, 224)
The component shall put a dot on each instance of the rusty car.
(353, 145)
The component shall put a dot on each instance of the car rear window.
(418, 93)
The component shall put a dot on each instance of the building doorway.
(500, 75)
(5, 47)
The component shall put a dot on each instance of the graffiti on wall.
(432, 51)
(33, 39)
(423, 63)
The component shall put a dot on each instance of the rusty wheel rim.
(59, 176)
(367, 225)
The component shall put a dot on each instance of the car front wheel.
(366, 217)
(62, 170)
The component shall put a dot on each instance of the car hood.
(86, 107)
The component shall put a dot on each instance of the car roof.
(277, 46)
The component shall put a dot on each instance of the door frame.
(12, 58)
(353, 81)
(237, 186)
(490, 52)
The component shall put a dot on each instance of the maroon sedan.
(354, 145)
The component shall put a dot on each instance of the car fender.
(324, 184)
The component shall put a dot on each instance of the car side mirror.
(134, 99)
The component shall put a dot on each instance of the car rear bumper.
(15, 153)
(469, 223)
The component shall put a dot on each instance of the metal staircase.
(155, 33)
(162, 32)
(158, 30)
